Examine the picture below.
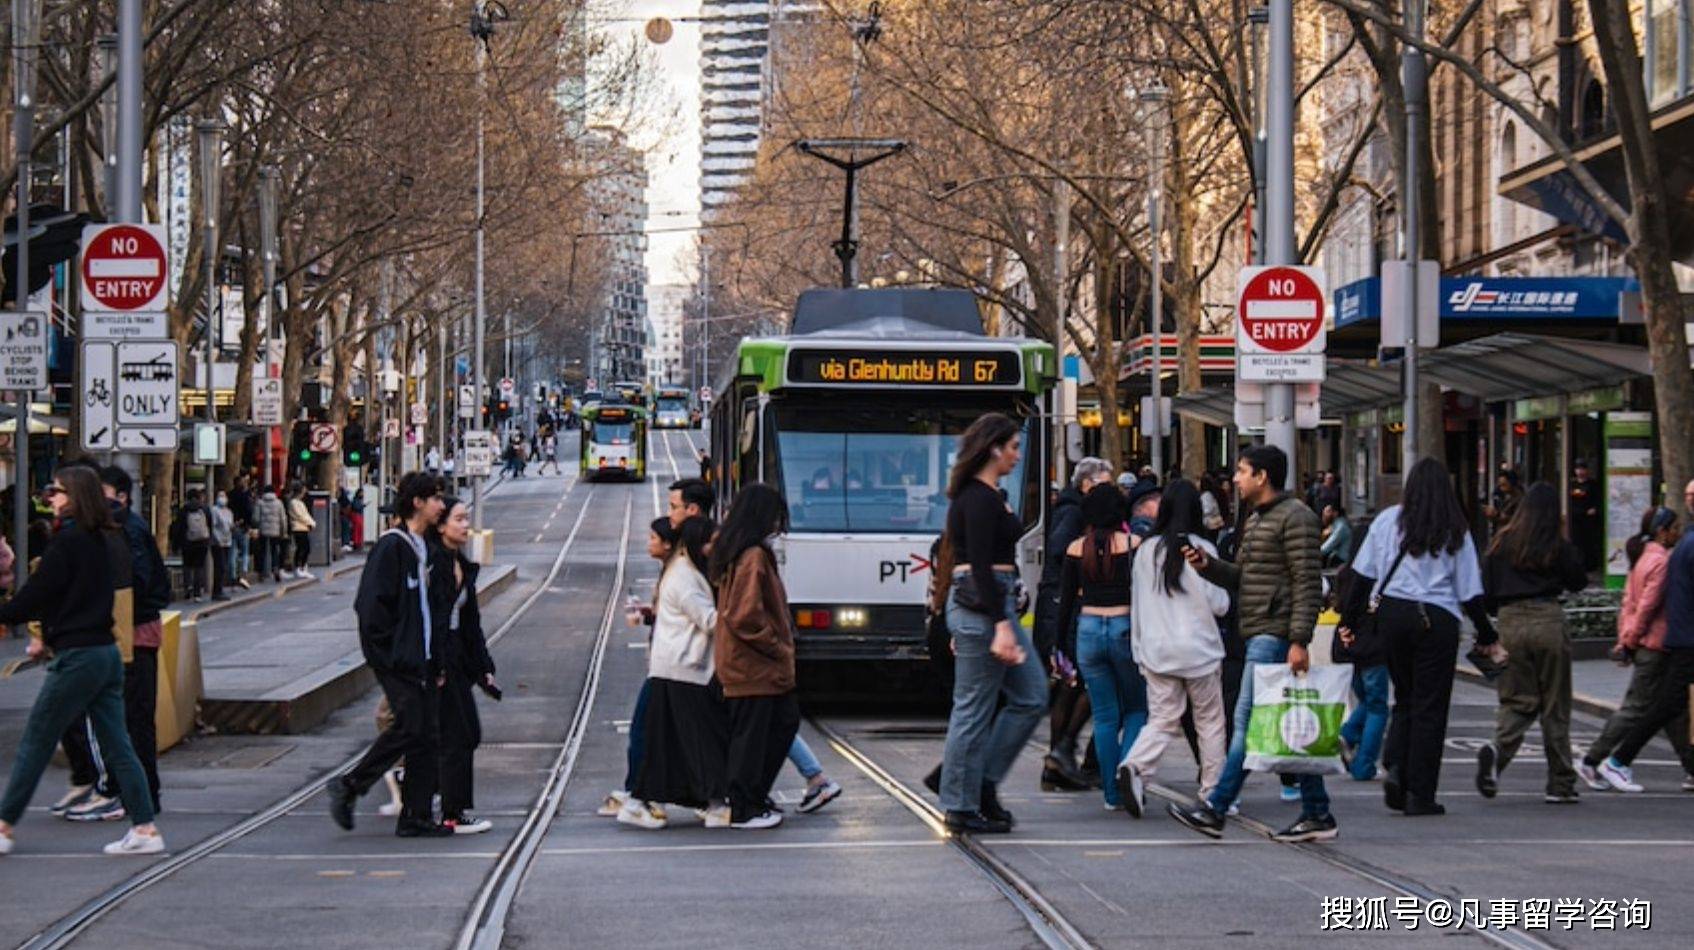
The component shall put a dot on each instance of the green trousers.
(1535, 687)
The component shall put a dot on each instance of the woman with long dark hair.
(1529, 565)
(1096, 572)
(1417, 570)
(753, 647)
(1642, 626)
(71, 593)
(1175, 638)
(687, 729)
(456, 619)
(993, 654)
(662, 536)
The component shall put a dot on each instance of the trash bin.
(326, 536)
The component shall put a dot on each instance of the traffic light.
(503, 409)
(354, 452)
(300, 443)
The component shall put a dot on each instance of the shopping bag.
(1296, 723)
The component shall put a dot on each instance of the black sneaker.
(1320, 828)
(1487, 771)
(1415, 808)
(1200, 818)
(1393, 793)
(341, 799)
(1568, 797)
(421, 828)
(991, 808)
(1132, 791)
(971, 822)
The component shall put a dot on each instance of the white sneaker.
(714, 817)
(819, 795)
(769, 819)
(642, 815)
(1135, 802)
(1591, 776)
(5, 844)
(304, 574)
(74, 796)
(97, 808)
(613, 804)
(1618, 777)
(390, 808)
(134, 842)
(1688, 783)
(468, 825)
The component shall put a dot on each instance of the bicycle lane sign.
(98, 360)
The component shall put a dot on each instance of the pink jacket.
(1641, 620)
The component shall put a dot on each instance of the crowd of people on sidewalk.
(247, 535)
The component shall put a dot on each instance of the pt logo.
(911, 566)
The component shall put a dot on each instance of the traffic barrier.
(181, 682)
(482, 546)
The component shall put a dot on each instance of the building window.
(1593, 110)
(1508, 164)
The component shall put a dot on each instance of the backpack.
(195, 528)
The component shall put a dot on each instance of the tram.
(855, 417)
(670, 409)
(614, 441)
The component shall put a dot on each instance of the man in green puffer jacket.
(1277, 578)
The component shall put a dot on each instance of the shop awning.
(1494, 368)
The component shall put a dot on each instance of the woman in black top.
(456, 618)
(993, 653)
(1528, 566)
(71, 593)
(1096, 572)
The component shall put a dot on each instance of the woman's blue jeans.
(981, 745)
(1116, 692)
(1366, 724)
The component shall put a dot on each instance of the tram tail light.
(812, 619)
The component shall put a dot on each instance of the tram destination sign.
(950, 369)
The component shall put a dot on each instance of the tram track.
(67, 929)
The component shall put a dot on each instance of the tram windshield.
(671, 403)
(613, 433)
(874, 470)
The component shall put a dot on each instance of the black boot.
(991, 809)
(1059, 772)
(1090, 771)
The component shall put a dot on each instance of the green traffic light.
(305, 455)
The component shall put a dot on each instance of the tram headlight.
(851, 617)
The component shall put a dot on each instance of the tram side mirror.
(1073, 442)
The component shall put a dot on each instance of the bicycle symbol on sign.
(99, 393)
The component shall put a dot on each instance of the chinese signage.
(1499, 298)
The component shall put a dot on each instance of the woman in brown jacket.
(753, 649)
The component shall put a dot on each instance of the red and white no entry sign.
(1280, 310)
(124, 267)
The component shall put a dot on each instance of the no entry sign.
(124, 267)
(1279, 324)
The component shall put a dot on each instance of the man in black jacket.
(396, 637)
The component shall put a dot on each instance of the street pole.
(1156, 97)
(211, 162)
(268, 177)
(1061, 281)
(482, 28)
(706, 316)
(26, 37)
(126, 174)
(1279, 205)
(1416, 81)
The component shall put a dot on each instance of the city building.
(619, 335)
(664, 337)
(734, 41)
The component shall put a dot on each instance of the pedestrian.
(1586, 530)
(196, 544)
(1529, 565)
(241, 538)
(356, 517)
(1416, 570)
(662, 537)
(753, 649)
(993, 653)
(223, 538)
(465, 664)
(1175, 640)
(272, 520)
(396, 636)
(1337, 547)
(1069, 710)
(71, 592)
(1670, 697)
(1642, 627)
(689, 498)
(344, 519)
(432, 461)
(686, 724)
(1503, 503)
(1278, 579)
(1096, 575)
(549, 454)
(300, 525)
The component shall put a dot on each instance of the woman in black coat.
(465, 663)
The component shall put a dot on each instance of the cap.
(1126, 481)
(1142, 489)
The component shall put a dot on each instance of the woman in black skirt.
(465, 663)
(686, 725)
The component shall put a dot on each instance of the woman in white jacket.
(686, 726)
(1174, 636)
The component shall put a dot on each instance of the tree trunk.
(1105, 363)
(1184, 213)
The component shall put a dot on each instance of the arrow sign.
(124, 267)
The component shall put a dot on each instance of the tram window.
(871, 471)
(612, 433)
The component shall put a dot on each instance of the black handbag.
(1368, 649)
(966, 594)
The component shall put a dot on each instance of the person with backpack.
(272, 524)
(300, 525)
(195, 545)
(223, 537)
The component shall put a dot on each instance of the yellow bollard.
(180, 681)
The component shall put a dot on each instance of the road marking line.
(750, 846)
(384, 856)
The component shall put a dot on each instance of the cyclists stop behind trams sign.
(1280, 332)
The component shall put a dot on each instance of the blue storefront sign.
(1499, 298)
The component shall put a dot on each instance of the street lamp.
(1258, 24)
(210, 133)
(1153, 99)
(485, 14)
(26, 48)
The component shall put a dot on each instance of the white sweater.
(683, 620)
(1175, 633)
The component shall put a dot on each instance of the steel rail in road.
(1051, 927)
(63, 931)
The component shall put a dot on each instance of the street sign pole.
(268, 176)
(130, 136)
(211, 164)
(1417, 92)
(1279, 206)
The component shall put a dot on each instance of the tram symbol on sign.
(153, 370)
